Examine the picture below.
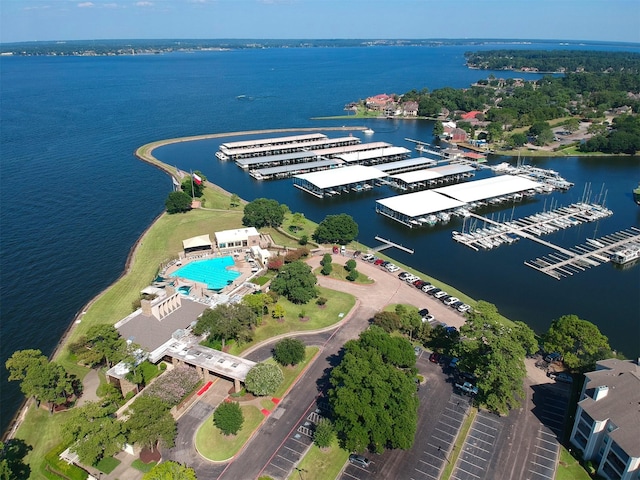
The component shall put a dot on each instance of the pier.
(589, 254)
(390, 244)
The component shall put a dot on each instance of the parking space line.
(541, 474)
(441, 439)
(466, 471)
(473, 455)
(483, 433)
(545, 432)
(547, 449)
(349, 475)
(476, 446)
(284, 458)
(279, 468)
(292, 449)
(431, 455)
(479, 420)
(444, 431)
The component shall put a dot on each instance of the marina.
(620, 247)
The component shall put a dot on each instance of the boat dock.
(389, 244)
(531, 227)
(589, 254)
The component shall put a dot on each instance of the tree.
(517, 140)
(297, 221)
(263, 212)
(178, 202)
(228, 418)
(234, 200)
(353, 275)
(494, 352)
(289, 351)
(264, 379)
(339, 228)
(388, 321)
(150, 422)
(296, 282)
(350, 265)
(93, 432)
(259, 302)
(327, 267)
(578, 341)
(170, 470)
(373, 399)
(438, 129)
(102, 344)
(12, 466)
(227, 321)
(191, 187)
(278, 311)
(43, 380)
(324, 433)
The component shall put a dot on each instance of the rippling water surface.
(74, 199)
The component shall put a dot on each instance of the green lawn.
(569, 468)
(339, 272)
(107, 465)
(321, 464)
(318, 317)
(143, 467)
(291, 373)
(213, 445)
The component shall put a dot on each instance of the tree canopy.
(228, 418)
(578, 341)
(494, 352)
(93, 432)
(263, 212)
(170, 470)
(192, 187)
(150, 422)
(296, 282)
(12, 465)
(227, 321)
(289, 351)
(178, 202)
(264, 379)
(373, 394)
(101, 345)
(340, 228)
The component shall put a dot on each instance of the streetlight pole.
(443, 454)
(300, 470)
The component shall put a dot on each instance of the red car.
(434, 357)
(378, 262)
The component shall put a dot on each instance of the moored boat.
(636, 194)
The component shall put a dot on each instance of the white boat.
(444, 217)
(432, 219)
(626, 255)
(368, 131)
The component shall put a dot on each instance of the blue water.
(74, 199)
(213, 272)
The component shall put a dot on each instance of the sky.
(591, 20)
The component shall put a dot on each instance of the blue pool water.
(213, 272)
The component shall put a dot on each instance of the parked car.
(467, 388)
(428, 319)
(423, 312)
(434, 357)
(450, 301)
(359, 460)
(440, 294)
(563, 377)
(464, 308)
(403, 275)
(427, 288)
(419, 283)
(378, 261)
(391, 267)
(433, 291)
(368, 257)
(552, 357)
(417, 350)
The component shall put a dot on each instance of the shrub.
(275, 263)
(264, 379)
(174, 385)
(228, 418)
(324, 433)
(304, 239)
(353, 275)
(321, 301)
(278, 311)
(350, 265)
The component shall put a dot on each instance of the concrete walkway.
(90, 384)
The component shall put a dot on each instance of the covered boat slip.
(431, 177)
(262, 142)
(268, 150)
(489, 188)
(354, 178)
(412, 208)
(285, 171)
(373, 157)
(406, 165)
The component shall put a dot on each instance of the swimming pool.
(213, 272)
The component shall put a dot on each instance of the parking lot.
(478, 447)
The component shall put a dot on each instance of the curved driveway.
(251, 461)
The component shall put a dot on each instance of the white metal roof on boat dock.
(405, 165)
(287, 170)
(361, 147)
(272, 141)
(266, 150)
(488, 188)
(341, 176)
(373, 155)
(417, 204)
(433, 173)
(274, 160)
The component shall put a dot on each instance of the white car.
(464, 308)
(412, 279)
(392, 268)
(428, 318)
(368, 257)
(451, 300)
(427, 288)
(440, 294)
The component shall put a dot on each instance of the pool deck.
(201, 289)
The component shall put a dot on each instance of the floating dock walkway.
(589, 254)
(388, 244)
